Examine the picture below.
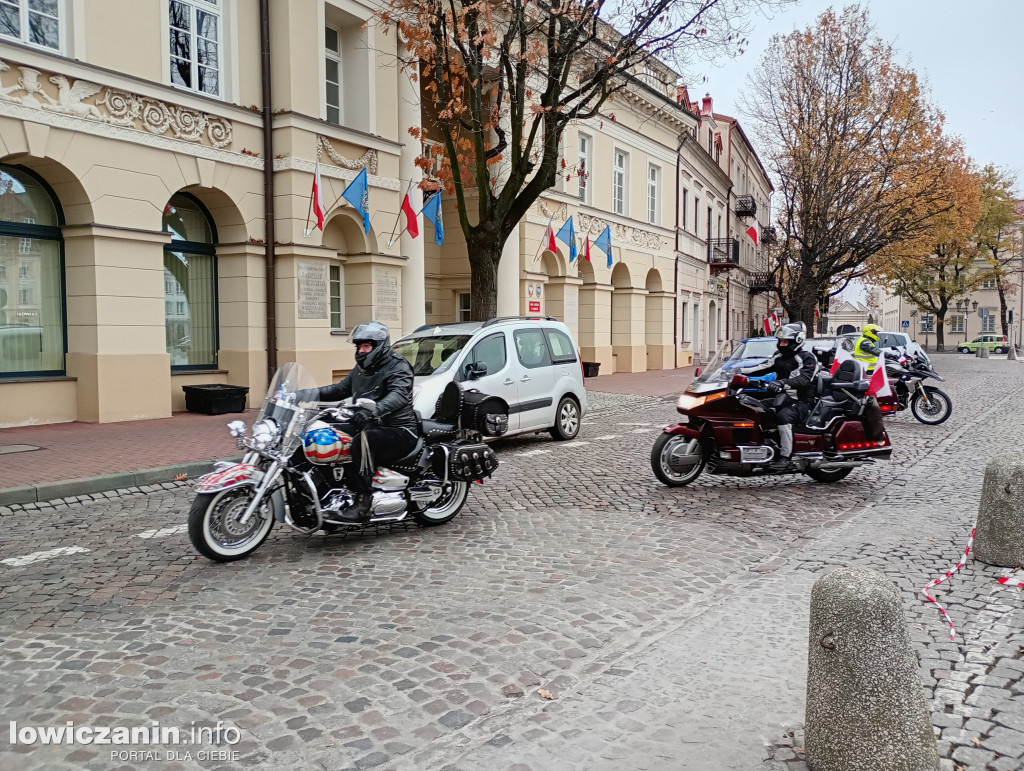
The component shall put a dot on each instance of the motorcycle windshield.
(283, 407)
(735, 358)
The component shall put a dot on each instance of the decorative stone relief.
(367, 159)
(561, 211)
(593, 226)
(122, 108)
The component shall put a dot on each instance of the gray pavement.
(668, 626)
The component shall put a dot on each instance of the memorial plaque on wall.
(312, 278)
(571, 312)
(385, 295)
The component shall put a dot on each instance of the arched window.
(32, 340)
(190, 284)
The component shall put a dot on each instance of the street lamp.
(962, 307)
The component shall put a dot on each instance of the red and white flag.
(318, 200)
(879, 384)
(767, 327)
(841, 355)
(549, 239)
(775, 319)
(754, 231)
(411, 220)
(586, 249)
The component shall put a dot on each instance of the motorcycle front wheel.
(446, 507)
(677, 460)
(215, 530)
(936, 410)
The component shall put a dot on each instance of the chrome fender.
(227, 476)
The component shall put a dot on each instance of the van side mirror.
(476, 370)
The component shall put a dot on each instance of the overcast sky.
(971, 54)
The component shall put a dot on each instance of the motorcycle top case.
(483, 413)
(467, 462)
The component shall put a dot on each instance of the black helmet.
(795, 333)
(377, 335)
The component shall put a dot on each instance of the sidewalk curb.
(46, 491)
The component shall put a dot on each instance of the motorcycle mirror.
(697, 373)
(739, 381)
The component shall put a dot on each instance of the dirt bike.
(729, 428)
(284, 477)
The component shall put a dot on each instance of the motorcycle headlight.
(264, 433)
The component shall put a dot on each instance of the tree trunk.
(940, 331)
(1002, 307)
(484, 255)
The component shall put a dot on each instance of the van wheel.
(567, 420)
(964, 350)
(998, 349)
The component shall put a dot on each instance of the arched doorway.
(712, 330)
(628, 322)
(32, 324)
(190, 284)
(846, 329)
(658, 323)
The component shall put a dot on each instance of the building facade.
(134, 254)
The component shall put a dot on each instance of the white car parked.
(530, 362)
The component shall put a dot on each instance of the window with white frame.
(988, 324)
(619, 169)
(928, 322)
(195, 39)
(653, 202)
(989, 284)
(686, 202)
(36, 22)
(332, 58)
(462, 306)
(337, 296)
(957, 323)
(696, 216)
(583, 167)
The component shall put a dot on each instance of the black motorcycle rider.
(794, 368)
(390, 428)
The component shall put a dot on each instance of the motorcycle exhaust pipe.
(833, 465)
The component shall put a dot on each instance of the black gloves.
(360, 418)
(776, 387)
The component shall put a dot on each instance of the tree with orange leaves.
(859, 155)
(500, 81)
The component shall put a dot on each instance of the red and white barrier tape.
(950, 572)
(1005, 580)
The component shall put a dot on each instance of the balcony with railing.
(760, 282)
(723, 254)
(746, 206)
(768, 235)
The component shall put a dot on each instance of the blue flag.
(358, 194)
(432, 211)
(567, 235)
(604, 243)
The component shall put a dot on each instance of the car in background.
(994, 343)
(899, 340)
(824, 348)
(532, 363)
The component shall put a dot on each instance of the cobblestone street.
(668, 626)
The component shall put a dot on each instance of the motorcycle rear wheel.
(444, 508)
(214, 529)
(675, 445)
(828, 476)
(936, 411)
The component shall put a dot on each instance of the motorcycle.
(728, 428)
(293, 470)
(907, 374)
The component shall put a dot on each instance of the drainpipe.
(268, 188)
(675, 288)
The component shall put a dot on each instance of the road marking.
(39, 556)
(533, 452)
(641, 430)
(174, 530)
(636, 424)
(605, 438)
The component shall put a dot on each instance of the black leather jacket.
(388, 383)
(796, 370)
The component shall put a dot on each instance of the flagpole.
(391, 238)
(307, 230)
(540, 246)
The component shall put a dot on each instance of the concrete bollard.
(983, 351)
(999, 537)
(865, 707)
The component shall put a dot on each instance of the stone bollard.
(865, 707)
(999, 537)
(983, 351)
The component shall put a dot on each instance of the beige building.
(134, 242)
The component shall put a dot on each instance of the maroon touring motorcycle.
(728, 426)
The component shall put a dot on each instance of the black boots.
(358, 512)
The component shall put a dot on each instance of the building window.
(32, 330)
(583, 168)
(619, 170)
(195, 36)
(927, 322)
(988, 324)
(190, 270)
(462, 302)
(36, 22)
(719, 226)
(711, 141)
(990, 284)
(652, 195)
(337, 290)
(696, 216)
(332, 56)
(957, 324)
(686, 203)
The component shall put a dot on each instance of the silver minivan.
(530, 362)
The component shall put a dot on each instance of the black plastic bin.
(215, 398)
(591, 368)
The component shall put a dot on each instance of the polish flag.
(841, 355)
(411, 220)
(549, 239)
(775, 319)
(586, 249)
(767, 327)
(879, 385)
(318, 201)
(754, 231)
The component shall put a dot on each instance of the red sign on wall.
(535, 306)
